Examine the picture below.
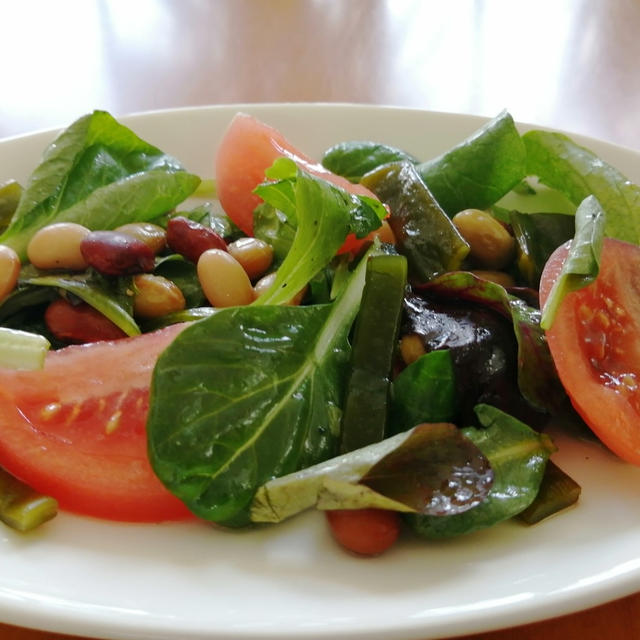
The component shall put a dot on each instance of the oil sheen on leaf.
(431, 469)
(249, 394)
(518, 456)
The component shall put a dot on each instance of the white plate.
(94, 578)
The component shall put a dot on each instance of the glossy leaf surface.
(518, 457)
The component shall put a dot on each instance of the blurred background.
(569, 64)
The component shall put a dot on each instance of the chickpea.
(411, 348)
(57, 246)
(267, 281)
(492, 246)
(9, 270)
(264, 284)
(152, 235)
(156, 296)
(254, 255)
(499, 277)
(224, 282)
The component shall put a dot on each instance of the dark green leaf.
(22, 298)
(246, 395)
(93, 292)
(353, 159)
(558, 491)
(24, 309)
(273, 227)
(480, 170)
(425, 391)
(366, 215)
(578, 173)
(99, 174)
(184, 274)
(538, 235)
(10, 193)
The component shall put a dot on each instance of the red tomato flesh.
(595, 344)
(76, 429)
(248, 147)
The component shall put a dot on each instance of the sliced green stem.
(557, 491)
(376, 334)
(21, 507)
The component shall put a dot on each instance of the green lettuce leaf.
(424, 391)
(355, 158)
(108, 300)
(480, 170)
(324, 216)
(430, 469)
(97, 173)
(578, 173)
(249, 394)
(582, 264)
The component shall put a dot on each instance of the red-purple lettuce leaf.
(537, 378)
(432, 469)
(435, 471)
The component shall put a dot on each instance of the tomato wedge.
(75, 430)
(248, 147)
(595, 344)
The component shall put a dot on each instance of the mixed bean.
(229, 273)
(9, 270)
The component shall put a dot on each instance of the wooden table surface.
(569, 64)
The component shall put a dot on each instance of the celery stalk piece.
(21, 349)
(21, 507)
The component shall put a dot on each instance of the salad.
(392, 368)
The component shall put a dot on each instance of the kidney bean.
(79, 323)
(117, 254)
(151, 234)
(191, 239)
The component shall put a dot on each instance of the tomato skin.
(595, 345)
(364, 531)
(248, 147)
(75, 430)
